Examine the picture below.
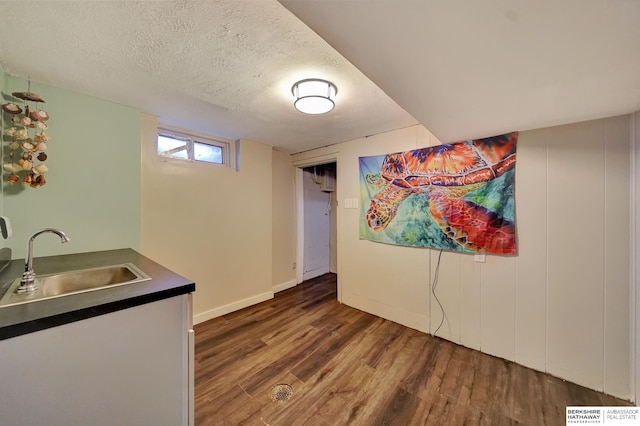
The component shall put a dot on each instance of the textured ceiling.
(467, 68)
(224, 67)
(463, 68)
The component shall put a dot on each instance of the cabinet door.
(123, 368)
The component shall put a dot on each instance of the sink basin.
(72, 282)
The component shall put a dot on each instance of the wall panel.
(617, 330)
(448, 293)
(470, 302)
(561, 305)
(498, 307)
(531, 263)
(576, 251)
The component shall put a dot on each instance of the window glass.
(173, 147)
(186, 146)
(208, 153)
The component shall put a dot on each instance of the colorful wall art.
(457, 196)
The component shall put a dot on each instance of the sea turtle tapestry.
(457, 196)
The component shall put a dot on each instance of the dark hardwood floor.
(348, 367)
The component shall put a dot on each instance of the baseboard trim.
(283, 286)
(232, 307)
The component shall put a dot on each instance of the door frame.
(300, 165)
(635, 257)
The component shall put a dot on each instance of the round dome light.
(314, 96)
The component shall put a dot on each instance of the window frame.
(192, 138)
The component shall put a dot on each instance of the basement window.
(192, 147)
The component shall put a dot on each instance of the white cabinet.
(129, 367)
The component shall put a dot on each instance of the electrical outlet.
(480, 257)
(294, 265)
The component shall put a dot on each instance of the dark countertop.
(38, 315)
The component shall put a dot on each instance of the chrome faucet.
(28, 281)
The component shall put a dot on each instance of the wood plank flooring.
(348, 367)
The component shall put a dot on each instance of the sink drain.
(281, 392)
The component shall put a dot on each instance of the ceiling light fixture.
(314, 96)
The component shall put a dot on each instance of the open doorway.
(317, 230)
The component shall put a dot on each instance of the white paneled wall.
(497, 307)
(562, 304)
(470, 301)
(618, 313)
(531, 274)
(575, 261)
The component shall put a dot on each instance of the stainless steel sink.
(72, 282)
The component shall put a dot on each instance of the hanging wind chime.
(27, 139)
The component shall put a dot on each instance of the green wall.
(93, 184)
